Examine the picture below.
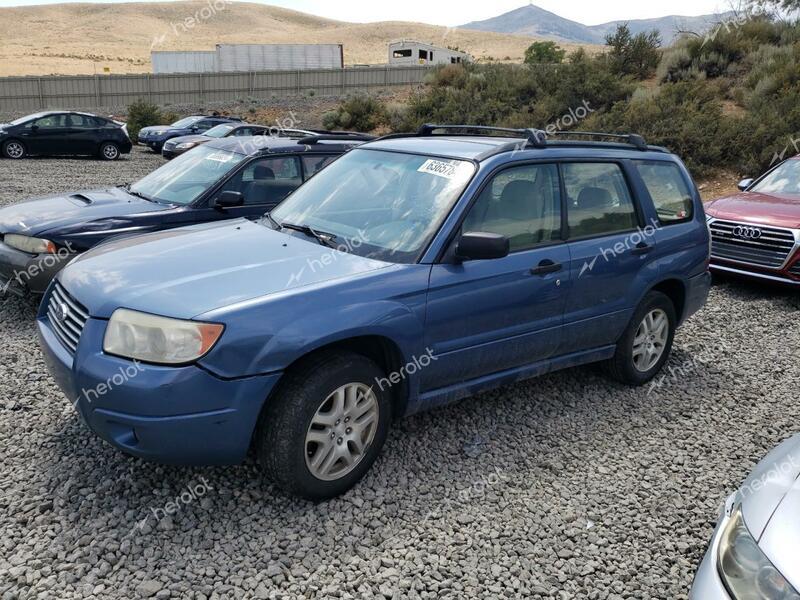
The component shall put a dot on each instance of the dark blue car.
(155, 136)
(414, 271)
(223, 179)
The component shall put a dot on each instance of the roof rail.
(534, 137)
(336, 137)
(632, 139)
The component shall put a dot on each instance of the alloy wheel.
(650, 340)
(341, 431)
(15, 150)
(110, 152)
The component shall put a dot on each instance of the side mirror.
(482, 246)
(745, 183)
(228, 199)
(34, 128)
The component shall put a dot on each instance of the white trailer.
(184, 62)
(410, 52)
(228, 58)
(279, 57)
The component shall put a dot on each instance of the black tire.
(14, 149)
(622, 367)
(280, 437)
(109, 151)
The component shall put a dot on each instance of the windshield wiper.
(142, 196)
(326, 239)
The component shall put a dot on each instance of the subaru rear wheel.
(13, 149)
(324, 427)
(646, 343)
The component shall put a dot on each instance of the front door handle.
(641, 248)
(546, 266)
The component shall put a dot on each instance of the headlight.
(186, 145)
(31, 245)
(158, 132)
(744, 568)
(160, 340)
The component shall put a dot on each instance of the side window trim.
(487, 183)
(623, 165)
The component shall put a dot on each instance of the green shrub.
(359, 113)
(636, 55)
(142, 114)
(544, 52)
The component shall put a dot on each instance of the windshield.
(218, 131)
(184, 123)
(184, 179)
(382, 205)
(785, 179)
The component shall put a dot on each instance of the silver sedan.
(756, 545)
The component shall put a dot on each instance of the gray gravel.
(564, 487)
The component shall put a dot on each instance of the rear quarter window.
(671, 195)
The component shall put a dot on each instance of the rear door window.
(598, 199)
(668, 189)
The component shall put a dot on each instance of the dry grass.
(74, 39)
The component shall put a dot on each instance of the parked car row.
(297, 297)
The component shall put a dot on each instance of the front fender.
(294, 339)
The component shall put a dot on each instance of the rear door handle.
(641, 248)
(546, 266)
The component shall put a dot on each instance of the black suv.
(156, 135)
(64, 133)
(222, 179)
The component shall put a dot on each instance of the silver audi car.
(755, 551)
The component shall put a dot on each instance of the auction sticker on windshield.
(219, 157)
(440, 168)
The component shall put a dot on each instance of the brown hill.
(74, 39)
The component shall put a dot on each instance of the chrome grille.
(770, 250)
(795, 270)
(67, 317)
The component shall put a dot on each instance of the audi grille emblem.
(747, 233)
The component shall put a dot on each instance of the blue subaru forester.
(414, 271)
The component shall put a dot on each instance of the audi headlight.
(31, 245)
(186, 145)
(160, 340)
(744, 568)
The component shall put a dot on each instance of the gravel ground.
(567, 486)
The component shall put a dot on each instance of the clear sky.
(458, 12)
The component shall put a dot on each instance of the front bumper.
(22, 273)
(173, 415)
(779, 277)
(707, 583)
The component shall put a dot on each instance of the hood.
(754, 207)
(188, 138)
(772, 478)
(40, 215)
(192, 270)
(781, 538)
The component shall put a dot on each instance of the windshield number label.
(439, 168)
(219, 157)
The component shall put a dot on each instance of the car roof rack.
(632, 139)
(349, 136)
(535, 138)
